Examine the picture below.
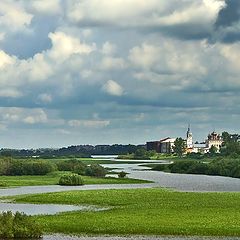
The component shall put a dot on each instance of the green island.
(53, 178)
(143, 212)
(31, 172)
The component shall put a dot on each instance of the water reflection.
(37, 209)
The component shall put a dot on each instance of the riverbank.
(69, 237)
(53, 179)
(143, 212)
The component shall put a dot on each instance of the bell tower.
(189, 138)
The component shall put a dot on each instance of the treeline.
(14, 167)
(220, 167)
(74, 151)
(140, 154)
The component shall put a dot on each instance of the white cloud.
(5, 59)
(63, 131)
(135, 13)
(171, 56)
(10, 92)
(65, 45)
(113, 88)
(28, 116)
(46, 6)
(37, 116)
(13, 16)
(231, 54)
(45, 98)
(88, 123)
(109, 63)
(2, 36)
(193, 12)
(87, 32)
(108, 48)
(39, 68)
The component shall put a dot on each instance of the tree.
(96, 170)
(179, 146)
(141, 153)
(226, 137)
(231, 145)
(213, 150)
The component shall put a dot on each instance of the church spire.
(189, 138)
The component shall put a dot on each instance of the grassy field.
(144, 212)
(53, 178)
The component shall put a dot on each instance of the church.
(166, 145)
(213, 140)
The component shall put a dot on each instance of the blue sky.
(123, 71)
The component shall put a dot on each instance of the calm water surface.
(37, 209)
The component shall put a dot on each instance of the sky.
(124, 71)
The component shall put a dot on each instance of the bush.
(161, 167)
(181, 166)
(122, 174)
(72, 165)
(3, 184)
(96, 170)
(71, 180)
(80, 168)
(18, 226)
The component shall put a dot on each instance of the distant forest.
(75, 151)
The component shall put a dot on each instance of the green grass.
(144, 212)
(53, 178)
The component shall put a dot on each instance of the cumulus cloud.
(171, 15)
(64, 46)
(109, 63)
(13, 16)
(161, 57)
(108, 48)
(47, 7)
(169, 61)
(28, 116)
(113, 88)
(5, 59)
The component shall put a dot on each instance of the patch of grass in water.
(144, 212)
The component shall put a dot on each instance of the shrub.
(71, 180)
(3, 184)
(181, 166)
(161, 167)
(95, 170)
(122, 174)
(73, 165)
(80, 168)
(18, 226)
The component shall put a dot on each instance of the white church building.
(213, 139)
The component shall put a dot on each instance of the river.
(180, 182)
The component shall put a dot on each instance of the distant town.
(166, 145)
